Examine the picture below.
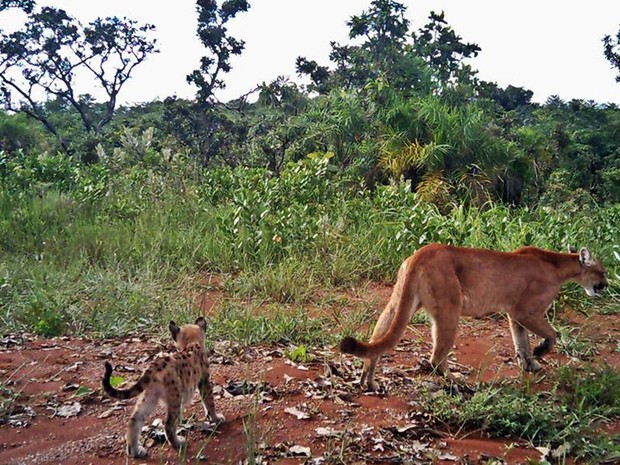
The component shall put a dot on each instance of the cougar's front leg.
(521, 341)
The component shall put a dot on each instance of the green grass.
(129, 254)
(572, 410)
(112, 264)
(132, 253)
(570, 342)
(285, 282)
(275, 324)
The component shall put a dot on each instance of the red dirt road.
(286, 413)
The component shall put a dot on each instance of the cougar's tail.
(405, 301)
(120, 393)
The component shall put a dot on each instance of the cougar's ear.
(200, 321)
(174, 330)
(585, 258)
(571, 249)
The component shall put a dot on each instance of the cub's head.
(593, 277)
(187, 335)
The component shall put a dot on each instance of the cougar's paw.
(137, 453)
(532, 366)
(372, 386)
(543, 348)
(425, 367)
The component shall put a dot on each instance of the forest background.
(394, 144)
(290, 201)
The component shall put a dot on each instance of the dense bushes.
(110, 246)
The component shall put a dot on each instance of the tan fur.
(172, 380)
(453, 281)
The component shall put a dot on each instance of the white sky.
(547, 46)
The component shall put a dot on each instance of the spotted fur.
(173, 380)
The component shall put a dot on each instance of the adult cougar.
(453, 281)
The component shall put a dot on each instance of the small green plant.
(252, 433)
(572, 344)
(116, 381)
(299, 355)
(83, 391)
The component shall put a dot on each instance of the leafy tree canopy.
(44, 58)
(612, 51)
(212, 30)
(443, 49)
(411, 62)
(384, 53)
(26, 5)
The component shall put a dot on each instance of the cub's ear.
(571, 249)
(200, 321)
(585, 258)
(174, 330)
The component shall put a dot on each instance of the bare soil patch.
(280, 411)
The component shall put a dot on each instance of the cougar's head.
(187, 335)
(593, 276)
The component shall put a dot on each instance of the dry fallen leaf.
(327, 432)
(418, 446)
(300, 451)
(298, 413)
(405, 428)
(562, 451)
(109, 412)
(544, 452)
(69, 410)
(447, 456)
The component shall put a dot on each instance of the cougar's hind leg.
(445, 311)
(444, 335)
(370, 364)
(368, 374)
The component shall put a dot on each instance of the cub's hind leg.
(144, 407)
(174, 405)
(206, 395)
(171, 427)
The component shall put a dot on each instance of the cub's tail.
(122, 394)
